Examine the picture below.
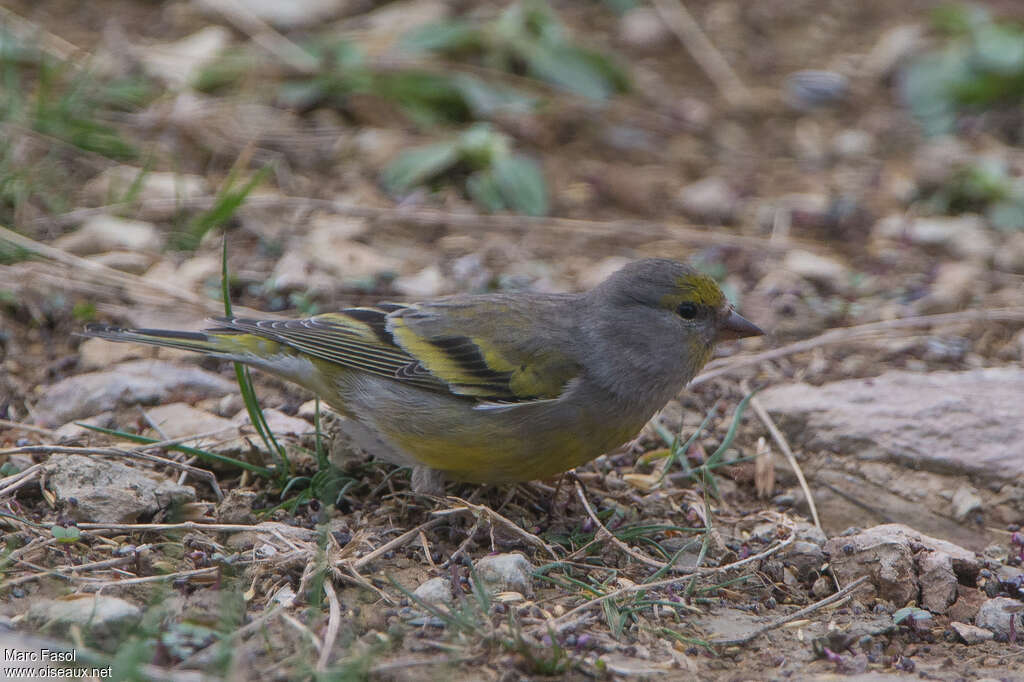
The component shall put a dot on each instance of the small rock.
(971, 634)
(811, 89)
(427, 283)
(965, 608)
(435, 592)
(106, 620)
(279, 422)
(853, 144)
(329, 248)
(178, 64)
(179, 420)
(936, 161)
(133, 262)
(1010, 256)
(820, 269)
(805, 558)
(281, 15)
(160, 193)
(144, 382)
(642, 28)
(894, 47)
(291, 272)
(996, 614)
(506, 573)
(237, 507)
(938, 582)
(710, 199)
(885, 556)
(966, 501)
(964, 236)
(955, 285)
(96, 354)
(110, 233)
(74, 430)
(822, 587)
(101, 491)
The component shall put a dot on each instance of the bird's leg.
(427, 481)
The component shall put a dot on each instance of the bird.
(490, 388)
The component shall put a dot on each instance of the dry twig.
(779, 622)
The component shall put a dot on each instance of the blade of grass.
(252, 405)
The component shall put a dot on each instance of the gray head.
(663, 318)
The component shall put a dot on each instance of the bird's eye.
(687, 311)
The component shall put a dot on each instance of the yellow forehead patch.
(696, 288)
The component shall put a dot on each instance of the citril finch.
(491, 388)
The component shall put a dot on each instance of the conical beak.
(736, 326)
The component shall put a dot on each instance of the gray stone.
(710, 199)
(237, 507)
(642, 28)
(964, 236)
(966, 501)
(959, 422)
(506, 573)
(886, 557)
(805, 559)
(102, 491)
(160, 193)
(146, 382)
(104, 619)
(817, 268)
(435, 592)
(111, 233)
(971, 634)
(178, 64)
(810, 89)
(938, 582)
(282, 15)
(996, 614)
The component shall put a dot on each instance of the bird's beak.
(735, 326)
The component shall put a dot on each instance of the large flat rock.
(948, 422)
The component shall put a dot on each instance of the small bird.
(492, 388)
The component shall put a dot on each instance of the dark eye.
(687, 311)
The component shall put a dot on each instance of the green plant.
(984, 186)
(980, 66)
(494, 177)
(527, 38)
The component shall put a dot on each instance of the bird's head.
(683, 299)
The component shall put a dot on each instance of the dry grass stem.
(333, 626)
(604, 533)
(703, 51)
(597, 601)
(783, 444)
(831, 599)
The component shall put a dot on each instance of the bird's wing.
(499, 349)
(355, 337)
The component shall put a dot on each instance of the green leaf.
(481, 145)
(1007, 215)
(66, 535)
(450, 37)
(419, 165)
(569, 68)
(485, 100)
(1000, 48)
(521, 183)
(483, 189)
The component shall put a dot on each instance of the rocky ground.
(862, 517)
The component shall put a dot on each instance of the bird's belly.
(504, 447)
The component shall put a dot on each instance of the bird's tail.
(228, 344)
